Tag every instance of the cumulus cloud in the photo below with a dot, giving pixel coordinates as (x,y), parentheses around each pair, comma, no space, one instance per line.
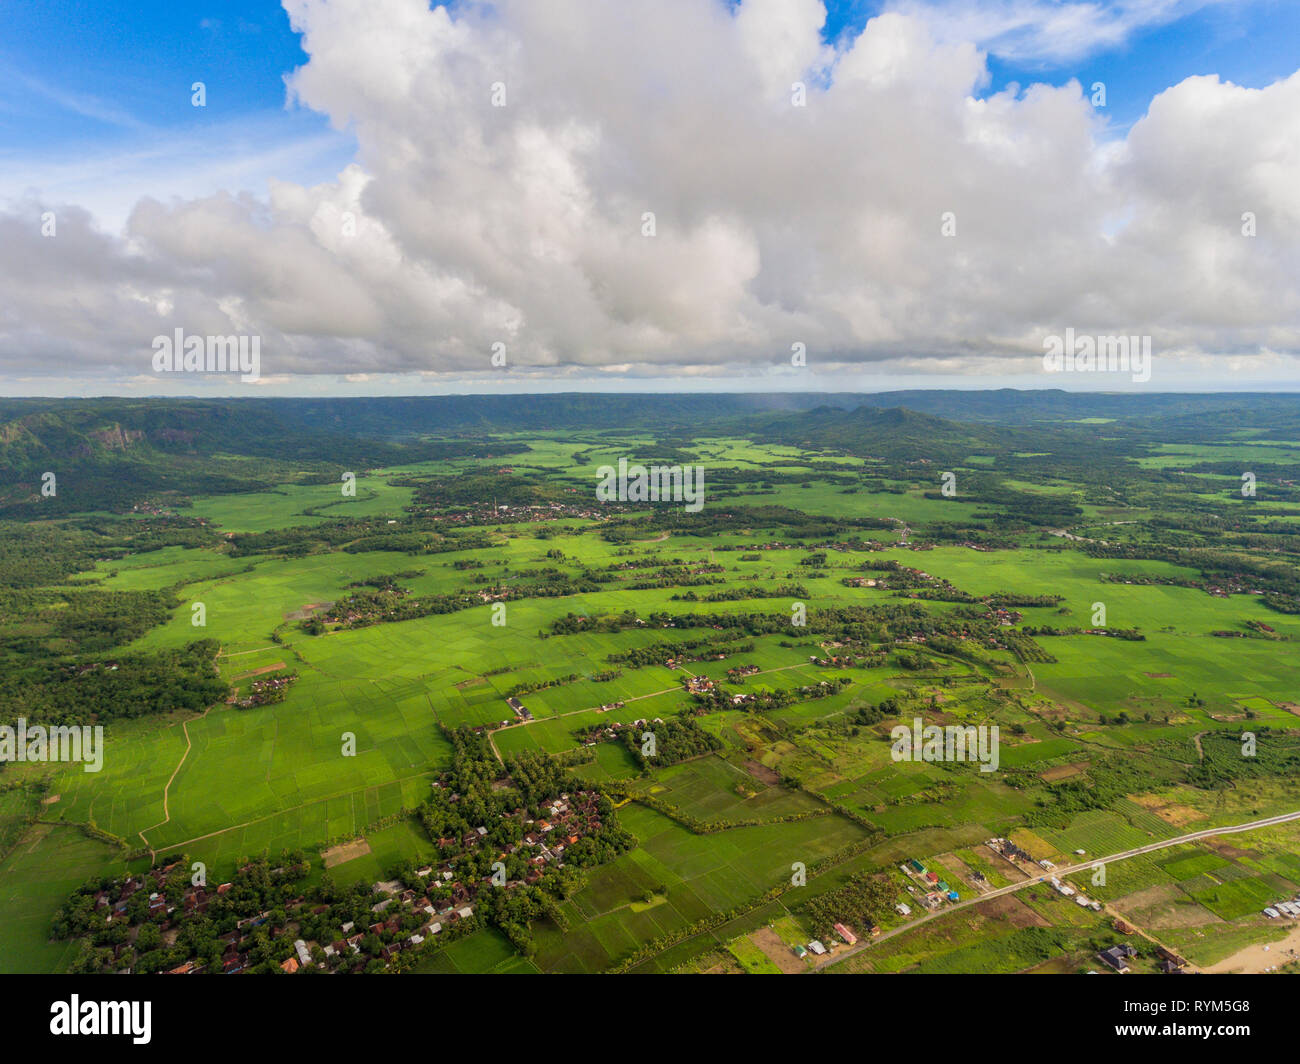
(462,224)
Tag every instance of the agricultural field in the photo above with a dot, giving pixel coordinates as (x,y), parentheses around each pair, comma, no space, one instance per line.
(296,670)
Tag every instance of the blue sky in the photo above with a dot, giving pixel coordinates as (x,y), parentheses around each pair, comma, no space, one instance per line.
(95,102)
(385,256)
(79,71)
(106,86)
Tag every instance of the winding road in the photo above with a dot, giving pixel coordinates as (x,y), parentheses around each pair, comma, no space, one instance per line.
(1060,873)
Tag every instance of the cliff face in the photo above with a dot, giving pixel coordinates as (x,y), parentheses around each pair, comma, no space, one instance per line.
(116,438)
(35,441)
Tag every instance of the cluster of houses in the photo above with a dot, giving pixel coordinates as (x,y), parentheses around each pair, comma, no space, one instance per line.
(702,655)
(117,902)
(333,616)
(235,956)
(521,711)
(1008,849)
(439,901)
(348,946)
(1067,891)
(934,891)
(698,685)
(1169,962)
(741,671)
(907,576)
(266,690)
(154,509)
(1117,957)
(397,900)
(490,513)
(1234,586)
(844,661)
(818,948)
(610,731)
(111,666)
(397,903)
(1283,908)
(443,900)
(195,901)
(569,817)
(853,546)
(1018,857)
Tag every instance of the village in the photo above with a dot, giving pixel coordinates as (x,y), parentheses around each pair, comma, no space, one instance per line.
(237,925)
(265,691)
(485,513)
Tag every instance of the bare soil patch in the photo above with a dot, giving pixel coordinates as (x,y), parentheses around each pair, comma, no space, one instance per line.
(1048,711)
(1226,849)
(1007,867)
(957,869)
(777,951)
(1180,815)
(51,799)
(475,681)
(348,851)
(1061,772)
(1158,908)
(258,672)
(307,610)
(1261,957)
(1011,910)
(762,773)
(1170,812)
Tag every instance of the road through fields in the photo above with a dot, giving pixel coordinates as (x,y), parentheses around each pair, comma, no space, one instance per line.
(1059,873)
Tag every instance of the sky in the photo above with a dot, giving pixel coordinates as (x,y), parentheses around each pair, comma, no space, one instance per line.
(634,196)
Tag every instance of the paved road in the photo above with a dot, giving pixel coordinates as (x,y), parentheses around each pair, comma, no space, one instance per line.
(1060,873)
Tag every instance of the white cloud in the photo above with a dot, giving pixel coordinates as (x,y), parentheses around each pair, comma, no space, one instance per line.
(1047,31)
(462,224)
(235,154)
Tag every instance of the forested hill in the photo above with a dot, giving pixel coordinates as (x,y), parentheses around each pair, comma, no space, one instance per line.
(109,454)
(120,450)
(1009,406)
(894,433)
(270,422)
